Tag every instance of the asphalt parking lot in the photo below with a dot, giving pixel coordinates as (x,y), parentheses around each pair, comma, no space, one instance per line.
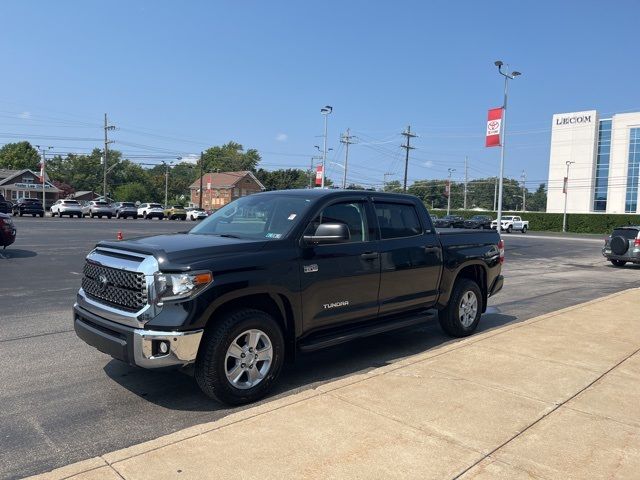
(67,401)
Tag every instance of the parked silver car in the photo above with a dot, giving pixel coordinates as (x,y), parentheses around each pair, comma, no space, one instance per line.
(98,208)
(623,246)
(66,207)
(125,209)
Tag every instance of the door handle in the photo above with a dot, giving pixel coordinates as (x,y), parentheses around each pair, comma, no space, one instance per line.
(431,249)
(369,256)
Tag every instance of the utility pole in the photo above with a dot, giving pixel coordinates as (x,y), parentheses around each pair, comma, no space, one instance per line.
(407,133)
(384,181)
(566,194)
(201,179)
(166,182)
(346,139)
(466,180)
(43,153)
(524,190)
(107,127)
(495,195)
(451,170)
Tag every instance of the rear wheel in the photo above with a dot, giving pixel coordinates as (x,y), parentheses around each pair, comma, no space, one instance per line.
(461,315)
(91,215)
(240,357)
(618,263)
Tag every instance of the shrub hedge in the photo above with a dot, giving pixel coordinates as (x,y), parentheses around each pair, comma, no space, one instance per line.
(552,222)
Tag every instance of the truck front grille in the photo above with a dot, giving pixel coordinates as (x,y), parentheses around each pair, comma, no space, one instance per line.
(118,288)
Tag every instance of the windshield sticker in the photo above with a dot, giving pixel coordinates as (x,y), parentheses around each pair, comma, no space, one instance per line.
(292,216)
(273,235)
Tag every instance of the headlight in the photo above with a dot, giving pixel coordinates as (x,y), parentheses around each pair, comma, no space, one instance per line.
(180,286)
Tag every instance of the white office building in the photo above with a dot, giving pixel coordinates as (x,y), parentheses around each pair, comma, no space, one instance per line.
(603,160)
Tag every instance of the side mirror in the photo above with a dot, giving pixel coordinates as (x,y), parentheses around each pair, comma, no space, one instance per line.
(327,233)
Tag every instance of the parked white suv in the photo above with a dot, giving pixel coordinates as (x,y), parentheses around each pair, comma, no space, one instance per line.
(196,213)
(66,207)
(150,210)
(510,223)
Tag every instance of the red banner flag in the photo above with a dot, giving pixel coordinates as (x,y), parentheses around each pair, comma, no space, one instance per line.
(319,175)
(494,123)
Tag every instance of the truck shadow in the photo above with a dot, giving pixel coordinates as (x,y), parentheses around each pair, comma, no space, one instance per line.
(175,390)
(9,253)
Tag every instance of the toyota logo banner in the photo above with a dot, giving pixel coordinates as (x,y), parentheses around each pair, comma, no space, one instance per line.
(494,122)
(319,175)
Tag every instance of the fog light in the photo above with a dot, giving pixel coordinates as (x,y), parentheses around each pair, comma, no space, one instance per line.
(164,347)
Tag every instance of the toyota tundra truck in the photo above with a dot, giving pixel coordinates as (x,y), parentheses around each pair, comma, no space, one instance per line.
(276,273)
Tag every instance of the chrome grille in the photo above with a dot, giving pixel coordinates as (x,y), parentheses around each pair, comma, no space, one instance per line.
(119,288)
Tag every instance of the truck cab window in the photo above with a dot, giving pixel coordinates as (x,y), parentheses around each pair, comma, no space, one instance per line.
(352,214)
(397,220)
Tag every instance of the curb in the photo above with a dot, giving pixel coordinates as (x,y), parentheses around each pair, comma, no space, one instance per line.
(108,459)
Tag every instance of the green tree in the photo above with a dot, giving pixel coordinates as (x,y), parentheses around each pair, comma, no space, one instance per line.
(537,201)
(131,192)
(393,186)
(283,179)
(18,156)
(230,157)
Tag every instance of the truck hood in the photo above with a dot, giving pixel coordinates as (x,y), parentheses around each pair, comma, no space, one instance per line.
(177,251)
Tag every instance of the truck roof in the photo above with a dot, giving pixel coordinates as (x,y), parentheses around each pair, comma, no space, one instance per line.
(331,192)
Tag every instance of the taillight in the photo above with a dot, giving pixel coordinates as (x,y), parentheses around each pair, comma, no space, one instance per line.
(501,250)
(636,242)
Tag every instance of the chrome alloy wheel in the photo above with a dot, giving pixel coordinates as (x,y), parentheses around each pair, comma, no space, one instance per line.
(248,359)
(468,308)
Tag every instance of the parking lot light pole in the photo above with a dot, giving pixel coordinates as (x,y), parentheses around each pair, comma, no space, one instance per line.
(566,194)
(451,170)
(507,76)
(326,111)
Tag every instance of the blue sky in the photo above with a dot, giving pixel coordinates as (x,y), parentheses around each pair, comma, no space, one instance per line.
(176,77)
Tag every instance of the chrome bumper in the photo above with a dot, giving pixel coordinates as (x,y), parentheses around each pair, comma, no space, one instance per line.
(136,346)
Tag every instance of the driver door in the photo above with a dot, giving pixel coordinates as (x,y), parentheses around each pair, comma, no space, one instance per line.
(340,281)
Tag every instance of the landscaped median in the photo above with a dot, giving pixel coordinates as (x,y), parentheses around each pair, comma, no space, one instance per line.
(557,396)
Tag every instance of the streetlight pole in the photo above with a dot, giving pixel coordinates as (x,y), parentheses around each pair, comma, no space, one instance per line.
(566,194)
(451,170)
(43,150)
(507,76)
(326,111)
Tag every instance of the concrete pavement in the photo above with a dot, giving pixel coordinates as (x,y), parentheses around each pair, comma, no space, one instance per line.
(557,396)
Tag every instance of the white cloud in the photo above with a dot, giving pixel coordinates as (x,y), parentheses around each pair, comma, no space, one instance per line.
(25,115)
(190,158)
(428,163)
(282,137)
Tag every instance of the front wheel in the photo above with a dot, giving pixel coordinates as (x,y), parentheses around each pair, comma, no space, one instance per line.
(524,229)
(240,357)
(461,316)
(618,263)
(509,229)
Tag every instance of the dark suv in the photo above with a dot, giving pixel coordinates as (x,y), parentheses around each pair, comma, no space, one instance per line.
(5,206)
(28,206)
(623,246)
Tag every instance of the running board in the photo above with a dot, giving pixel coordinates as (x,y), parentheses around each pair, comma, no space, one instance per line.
(342,336)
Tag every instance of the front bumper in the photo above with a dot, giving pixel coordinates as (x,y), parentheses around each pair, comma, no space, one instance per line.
(136,346)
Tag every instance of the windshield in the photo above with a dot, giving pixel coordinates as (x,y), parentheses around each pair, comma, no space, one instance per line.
(256,217)
(101,204)
(70,202)
(127,204)
(155,205)
(507,218)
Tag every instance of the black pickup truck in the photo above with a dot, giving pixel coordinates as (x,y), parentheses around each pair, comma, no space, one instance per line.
(276,273)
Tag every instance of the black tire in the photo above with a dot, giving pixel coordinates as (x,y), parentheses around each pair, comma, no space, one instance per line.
(524,229)
(91,215)
(21,213)
(618,263)
(80,215)
(34,215)
(109,216)
(210,365)
(53,214)
(449,317)
(509,229)
(619,245)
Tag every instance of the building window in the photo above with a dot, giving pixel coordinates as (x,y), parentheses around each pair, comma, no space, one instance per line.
(633,172)
(602,166)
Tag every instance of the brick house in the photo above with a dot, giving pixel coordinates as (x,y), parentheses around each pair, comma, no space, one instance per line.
(221,188)
(25,183)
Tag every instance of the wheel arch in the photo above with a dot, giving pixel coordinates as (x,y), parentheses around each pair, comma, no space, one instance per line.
(476,271)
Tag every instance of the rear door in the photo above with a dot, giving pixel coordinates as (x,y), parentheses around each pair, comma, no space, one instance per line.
(340,281)
(410,255)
